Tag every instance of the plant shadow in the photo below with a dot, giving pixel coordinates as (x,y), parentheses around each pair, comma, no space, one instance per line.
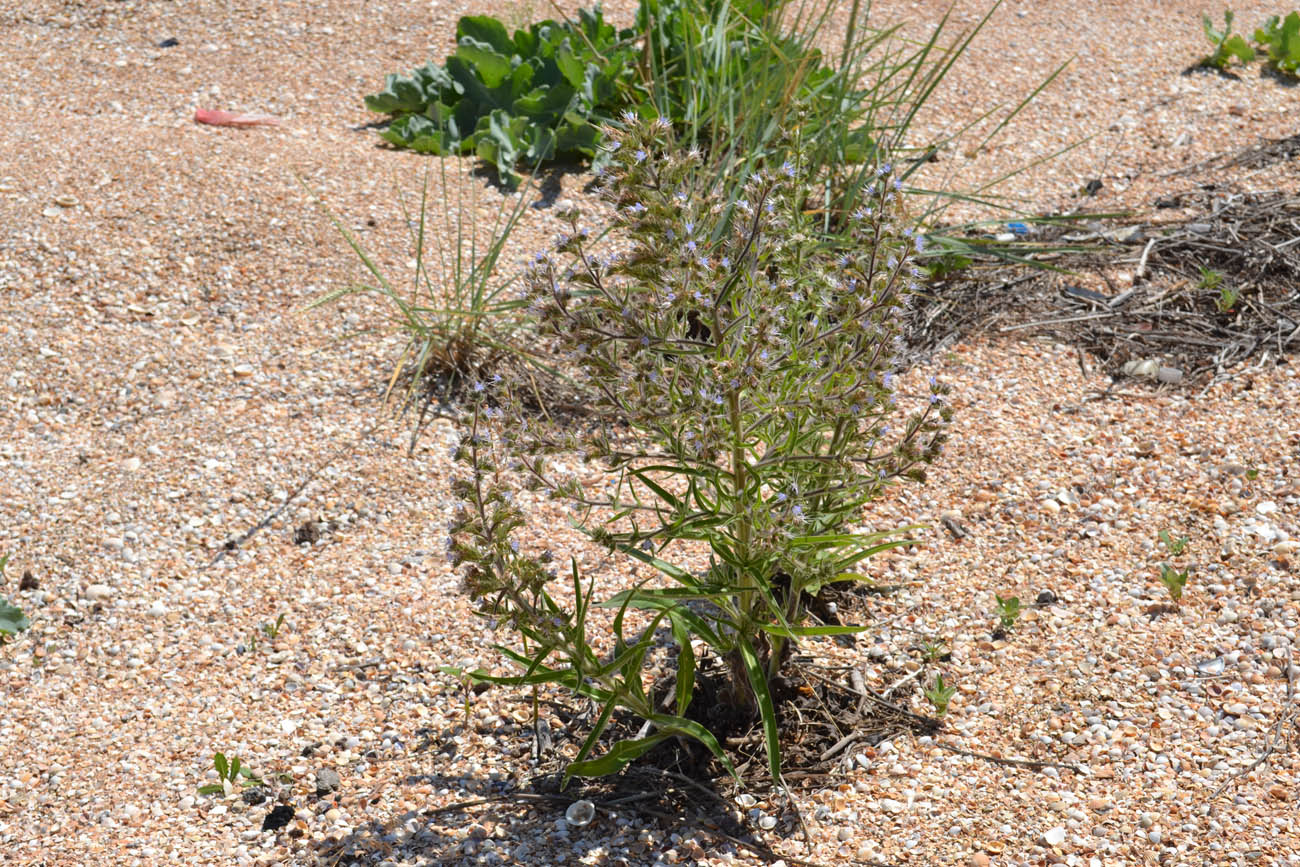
(1200,68)
(491,820)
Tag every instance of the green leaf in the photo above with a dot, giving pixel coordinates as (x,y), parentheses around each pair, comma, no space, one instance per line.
(12,619)
(587,745)
(617,757)
(487,30)
(758,681)
(234,769)
(573,69)
(212,789)
(645,601)
(219,762)
(1237,47)
(810,631)
(492,68)
(681,725)
(685,662)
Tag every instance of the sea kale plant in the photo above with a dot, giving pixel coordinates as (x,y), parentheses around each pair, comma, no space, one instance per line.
(743,394)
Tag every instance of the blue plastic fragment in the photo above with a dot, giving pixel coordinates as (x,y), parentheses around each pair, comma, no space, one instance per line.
(1018,228)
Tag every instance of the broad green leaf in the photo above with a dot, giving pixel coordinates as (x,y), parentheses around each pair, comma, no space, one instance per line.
(492,68)
(12,619)
(219,762)
(573,69)
(487,30)
(212,789)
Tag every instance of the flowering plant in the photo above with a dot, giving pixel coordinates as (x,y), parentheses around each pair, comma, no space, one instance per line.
(741,377)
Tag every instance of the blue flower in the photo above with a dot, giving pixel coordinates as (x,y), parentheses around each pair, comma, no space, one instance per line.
(690,227)
(690,245)
(787,168)
(639,156)
(647,545)
(726,262)
(797,511)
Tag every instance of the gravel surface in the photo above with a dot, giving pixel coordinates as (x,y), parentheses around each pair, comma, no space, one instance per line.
(162,391)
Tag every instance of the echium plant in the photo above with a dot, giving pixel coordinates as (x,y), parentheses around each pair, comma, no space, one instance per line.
(742,381)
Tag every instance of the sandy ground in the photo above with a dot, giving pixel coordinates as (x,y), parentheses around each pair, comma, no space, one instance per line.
(163,391)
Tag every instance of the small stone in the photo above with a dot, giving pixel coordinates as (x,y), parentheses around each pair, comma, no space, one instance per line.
(845,834)
(253,796)
(889,805)
(67,201)
(98,592)
(1150,672)
(131,464)
(1286,547)
(1279,791)
(158,609)
(1046,597)
(1169,375)
(243,371)
(1155,837)
(1054,836)
(767,823)
(1211,667)
(327,781)
(1099,805)
(979,859)
(29,581)
(580,813)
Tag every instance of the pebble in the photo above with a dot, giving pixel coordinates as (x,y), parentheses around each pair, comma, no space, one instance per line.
(67,201)
(97,592)
(1054,836)
(979,859)
(243,371)
(1155,837)
(131,464)
(327,781)
(158,609)
(889,805)
(1211,667)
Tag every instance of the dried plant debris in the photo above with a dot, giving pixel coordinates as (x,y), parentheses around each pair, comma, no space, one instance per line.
(1188,299)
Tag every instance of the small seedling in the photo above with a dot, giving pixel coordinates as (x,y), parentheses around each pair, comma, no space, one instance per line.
(1227,44)
(230,773)
(1174,581)
(12,619)
(939,695)
(933,651)
(1252,474)
(1175,547)
(271,630)
(1210,279)
(1008,611)
(1280,40)
(1227,299)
